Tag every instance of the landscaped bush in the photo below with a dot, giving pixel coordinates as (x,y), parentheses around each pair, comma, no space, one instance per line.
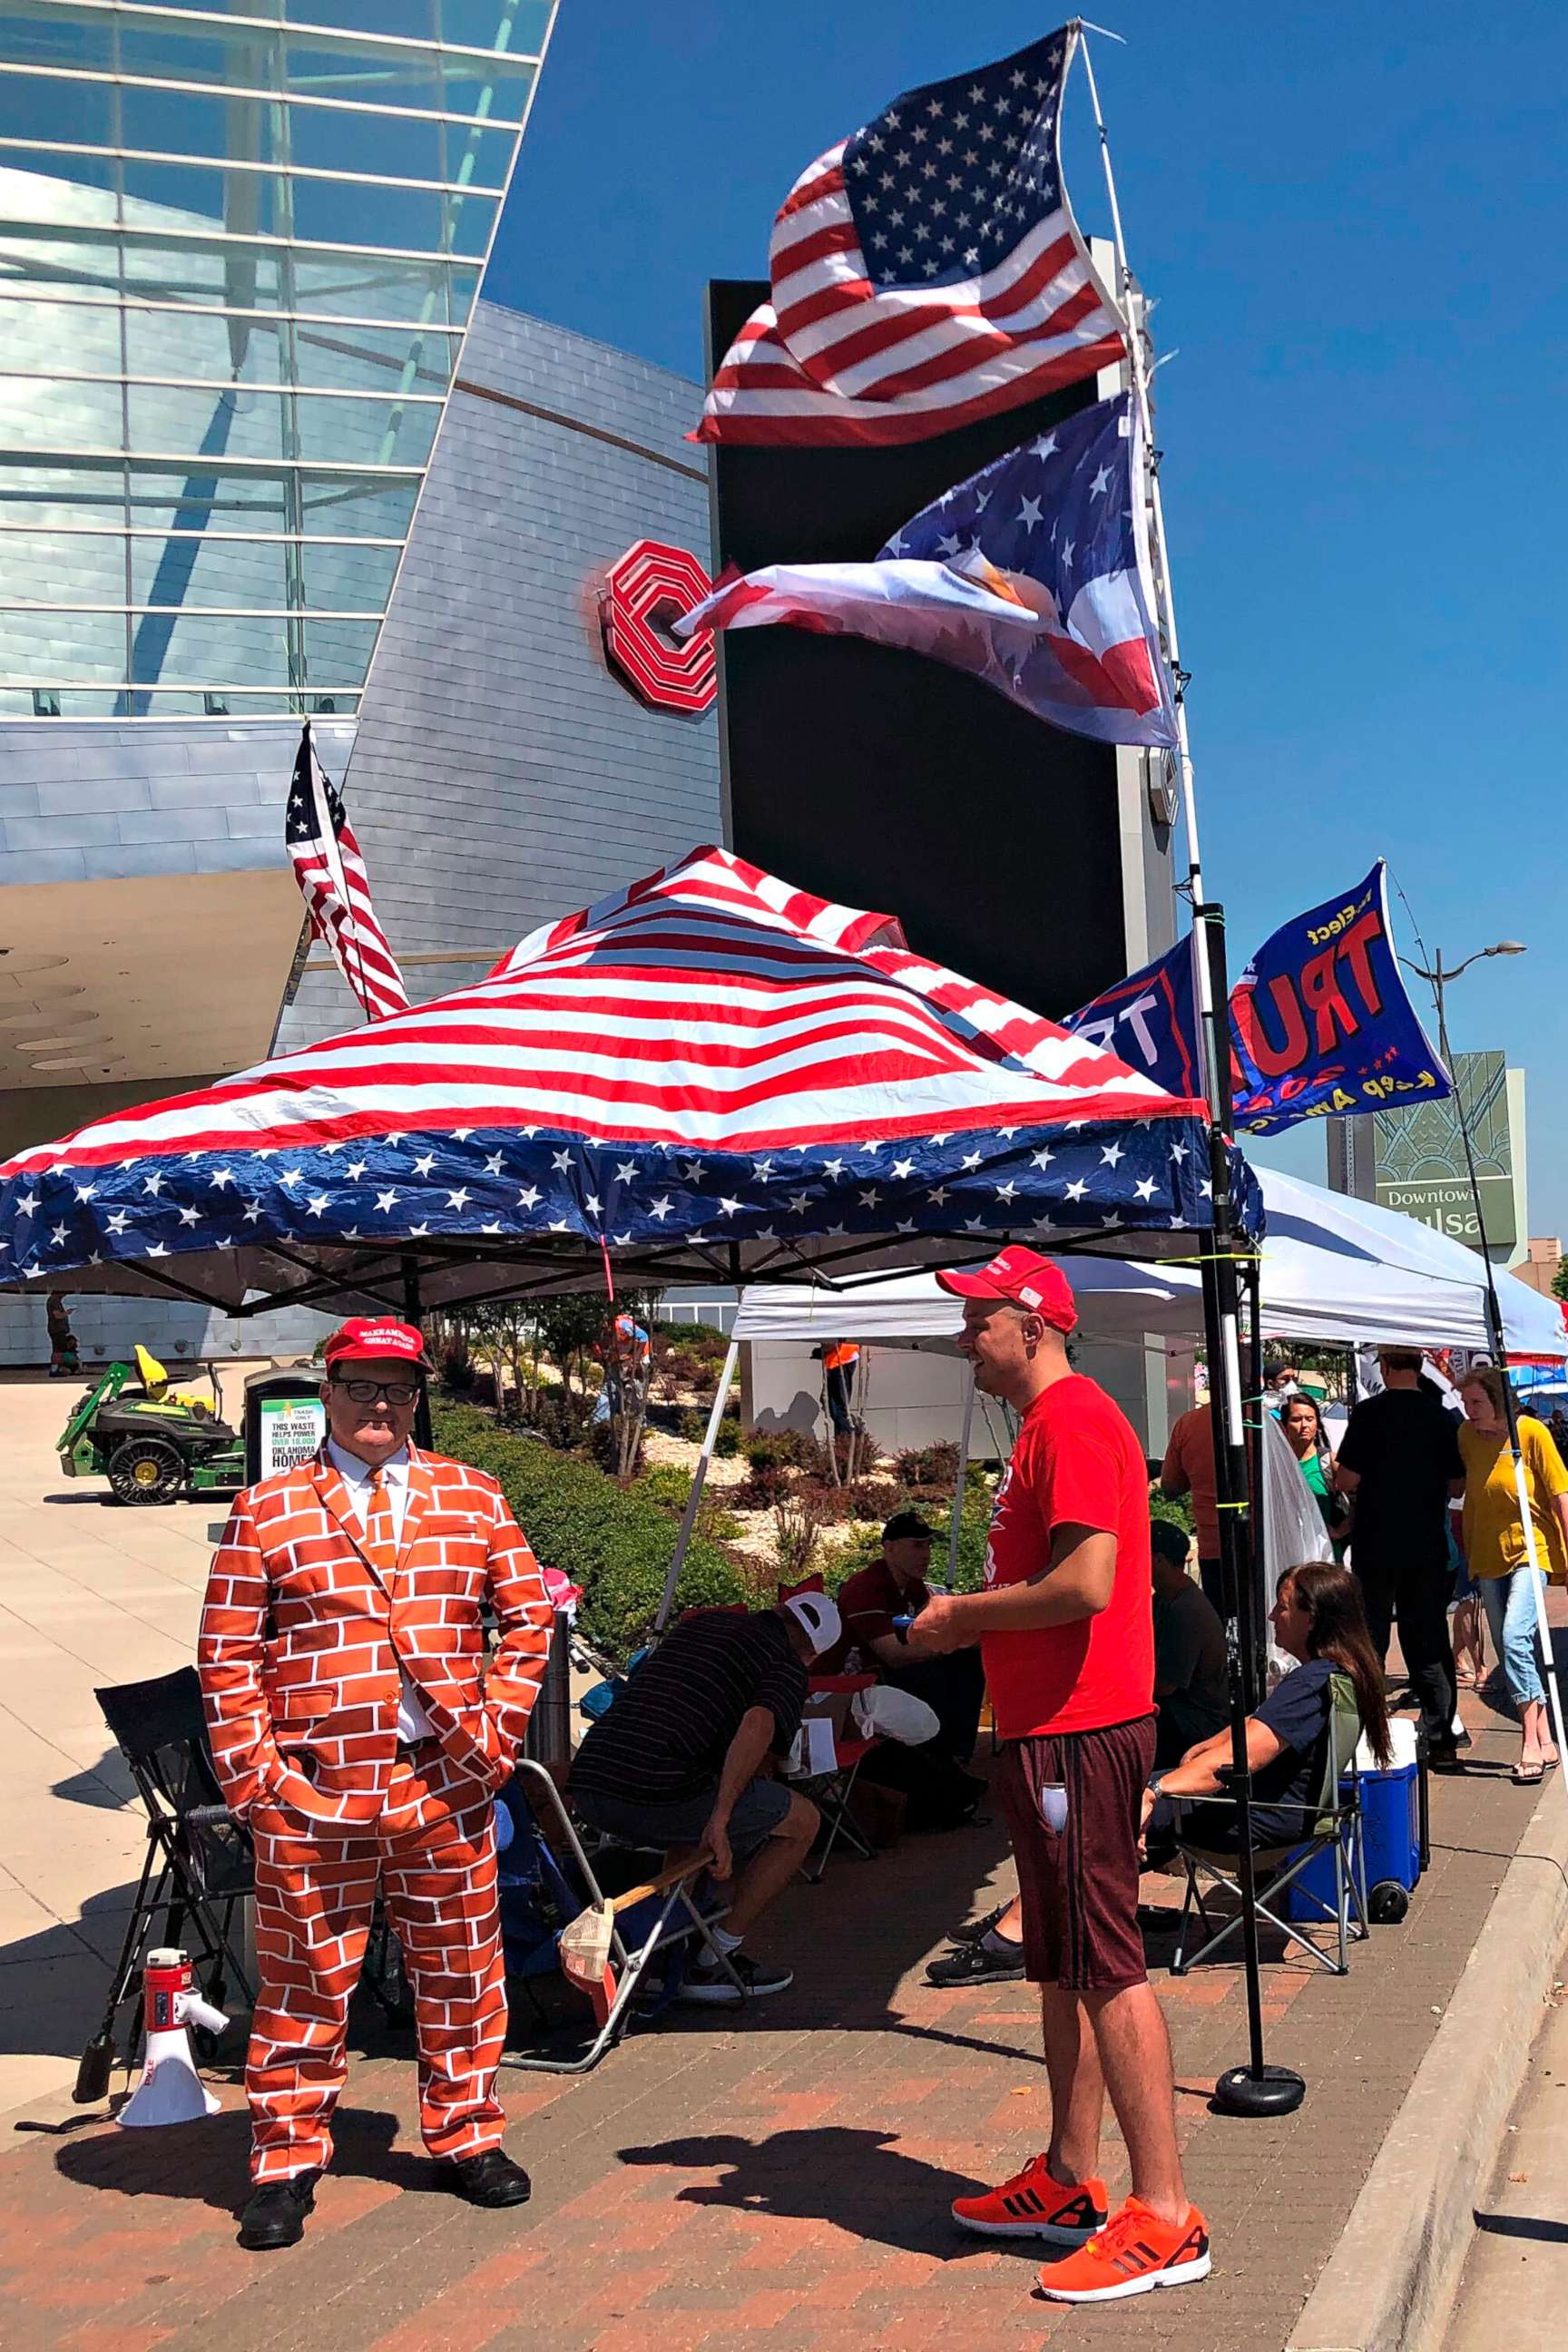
(612,1541)
(935,1467)
(665,1484)
(694,1429)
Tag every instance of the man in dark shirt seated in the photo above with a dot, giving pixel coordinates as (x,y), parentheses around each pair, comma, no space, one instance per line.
(1192,1674)
(678,1763)
(877,1604)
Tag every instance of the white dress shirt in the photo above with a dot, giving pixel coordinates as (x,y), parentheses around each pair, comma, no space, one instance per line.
(413,1722)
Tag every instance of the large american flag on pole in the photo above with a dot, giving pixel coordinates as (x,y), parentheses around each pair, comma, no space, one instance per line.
(924,272)
(334,883)
(1035,575)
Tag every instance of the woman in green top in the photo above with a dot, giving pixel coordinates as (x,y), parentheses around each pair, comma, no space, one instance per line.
(1302,1423)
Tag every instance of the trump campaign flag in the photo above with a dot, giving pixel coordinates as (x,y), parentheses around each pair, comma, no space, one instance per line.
(1321,1025)
(925,272)
(1034,575)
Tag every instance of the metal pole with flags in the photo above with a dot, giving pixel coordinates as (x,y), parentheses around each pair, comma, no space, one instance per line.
(1255,2088)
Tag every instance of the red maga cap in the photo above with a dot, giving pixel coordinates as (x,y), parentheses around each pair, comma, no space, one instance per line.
(370,1338)
(1024,1279)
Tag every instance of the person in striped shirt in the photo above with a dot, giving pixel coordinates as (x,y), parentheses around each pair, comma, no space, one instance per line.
(684,1760)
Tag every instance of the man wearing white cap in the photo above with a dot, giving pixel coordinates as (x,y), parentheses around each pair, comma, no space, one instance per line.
(680,1763)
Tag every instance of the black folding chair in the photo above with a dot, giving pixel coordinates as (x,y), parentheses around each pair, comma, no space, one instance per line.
(199,1866)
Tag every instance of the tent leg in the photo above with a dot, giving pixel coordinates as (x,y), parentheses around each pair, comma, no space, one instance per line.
(408,1266)
(699,1479)
(1254,2089)
(958,1487)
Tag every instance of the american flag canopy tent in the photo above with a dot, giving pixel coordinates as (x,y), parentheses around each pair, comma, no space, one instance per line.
(710,1075)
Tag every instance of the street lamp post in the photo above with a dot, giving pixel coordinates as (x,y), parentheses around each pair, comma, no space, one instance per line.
(1437,980)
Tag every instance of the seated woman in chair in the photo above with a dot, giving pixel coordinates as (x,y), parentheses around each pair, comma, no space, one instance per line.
(1319,1620)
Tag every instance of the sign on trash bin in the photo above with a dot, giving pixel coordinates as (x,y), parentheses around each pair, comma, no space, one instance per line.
(285,1422)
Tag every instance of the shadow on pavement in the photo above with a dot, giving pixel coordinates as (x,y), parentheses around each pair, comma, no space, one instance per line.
(857,2179)
(209,2162)
(1524,2225)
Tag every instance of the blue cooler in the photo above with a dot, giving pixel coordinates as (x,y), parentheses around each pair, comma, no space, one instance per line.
(1391,1832)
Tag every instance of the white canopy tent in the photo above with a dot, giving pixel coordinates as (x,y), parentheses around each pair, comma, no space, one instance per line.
(1334,1268)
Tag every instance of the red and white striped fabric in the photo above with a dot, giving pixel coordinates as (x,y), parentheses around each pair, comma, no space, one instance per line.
(331,871)
(925,272)
(710,1006)
(709,1073)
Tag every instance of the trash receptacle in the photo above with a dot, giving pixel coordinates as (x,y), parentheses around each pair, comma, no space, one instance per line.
(285,1420)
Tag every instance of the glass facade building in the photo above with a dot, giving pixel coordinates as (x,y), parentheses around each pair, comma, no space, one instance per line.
(239,247)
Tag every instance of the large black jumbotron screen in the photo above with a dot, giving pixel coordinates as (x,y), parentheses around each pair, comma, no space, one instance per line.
(884,780)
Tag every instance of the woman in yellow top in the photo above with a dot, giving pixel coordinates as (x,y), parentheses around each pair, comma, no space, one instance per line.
(1494,1546)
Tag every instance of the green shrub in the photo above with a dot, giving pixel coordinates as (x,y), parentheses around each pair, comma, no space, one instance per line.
(665,1484)
(1175,1507)
(693,1427)
(612,1541)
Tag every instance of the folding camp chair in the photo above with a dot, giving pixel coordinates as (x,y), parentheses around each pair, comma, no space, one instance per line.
(199,1865)
(545,1881)
(830,1793)
(1336,1829)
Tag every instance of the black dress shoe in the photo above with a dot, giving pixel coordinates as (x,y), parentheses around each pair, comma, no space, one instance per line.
(276,2214)
(490,2179)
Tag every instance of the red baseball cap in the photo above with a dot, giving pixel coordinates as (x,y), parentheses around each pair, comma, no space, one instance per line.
(367,1338)
(1024,1279)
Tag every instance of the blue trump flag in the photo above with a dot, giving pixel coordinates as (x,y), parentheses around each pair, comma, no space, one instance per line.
(1321,1023)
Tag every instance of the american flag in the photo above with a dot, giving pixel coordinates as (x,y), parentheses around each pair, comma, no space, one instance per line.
(925,272)
(1034,574)
(710,1075)
(334,883)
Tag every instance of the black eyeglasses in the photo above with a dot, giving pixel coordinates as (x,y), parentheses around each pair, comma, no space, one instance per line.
(367,1391)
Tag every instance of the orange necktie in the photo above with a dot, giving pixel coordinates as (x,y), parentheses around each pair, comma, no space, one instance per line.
(380,1527)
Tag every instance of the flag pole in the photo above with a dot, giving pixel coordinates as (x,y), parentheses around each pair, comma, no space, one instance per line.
(1254,2089)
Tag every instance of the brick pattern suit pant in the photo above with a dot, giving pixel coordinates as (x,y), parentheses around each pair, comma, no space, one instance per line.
(315,1893)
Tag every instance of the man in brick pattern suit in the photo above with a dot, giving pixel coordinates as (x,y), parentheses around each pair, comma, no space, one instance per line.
(340,1660)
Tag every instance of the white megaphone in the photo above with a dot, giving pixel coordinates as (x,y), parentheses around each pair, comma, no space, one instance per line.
(171,2091)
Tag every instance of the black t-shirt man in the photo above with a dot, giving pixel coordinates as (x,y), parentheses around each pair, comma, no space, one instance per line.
(1404,1451)
(670,1730)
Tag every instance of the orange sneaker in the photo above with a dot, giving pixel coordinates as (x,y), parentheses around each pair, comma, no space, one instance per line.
(1134,2252)
(1033,2205)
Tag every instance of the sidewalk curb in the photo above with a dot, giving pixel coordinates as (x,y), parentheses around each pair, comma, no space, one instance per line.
(1389,2284)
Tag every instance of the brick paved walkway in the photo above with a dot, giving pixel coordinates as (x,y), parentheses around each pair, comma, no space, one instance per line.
(714,2181)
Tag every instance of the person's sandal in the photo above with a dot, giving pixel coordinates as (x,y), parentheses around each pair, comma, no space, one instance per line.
(1527,1776)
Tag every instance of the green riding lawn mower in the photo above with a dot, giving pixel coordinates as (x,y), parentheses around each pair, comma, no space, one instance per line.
(153,1447)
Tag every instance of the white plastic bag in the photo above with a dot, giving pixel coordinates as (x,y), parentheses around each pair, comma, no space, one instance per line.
(586,1945)
(896,1715)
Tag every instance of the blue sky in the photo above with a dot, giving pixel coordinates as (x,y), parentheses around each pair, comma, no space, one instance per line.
(1354,222)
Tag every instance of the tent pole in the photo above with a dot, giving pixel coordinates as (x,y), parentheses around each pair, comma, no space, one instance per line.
(699,1479)
(957,1490)
(1257,1408)
(408,1267)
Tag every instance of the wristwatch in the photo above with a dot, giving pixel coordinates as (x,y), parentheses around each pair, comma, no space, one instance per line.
(1154,1783)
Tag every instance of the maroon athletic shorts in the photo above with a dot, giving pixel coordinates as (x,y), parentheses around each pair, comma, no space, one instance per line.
(1080,1888)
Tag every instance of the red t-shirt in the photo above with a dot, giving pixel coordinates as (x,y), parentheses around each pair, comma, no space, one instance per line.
(1076,1461)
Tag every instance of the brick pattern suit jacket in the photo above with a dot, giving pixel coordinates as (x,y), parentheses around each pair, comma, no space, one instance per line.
(302,1639)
